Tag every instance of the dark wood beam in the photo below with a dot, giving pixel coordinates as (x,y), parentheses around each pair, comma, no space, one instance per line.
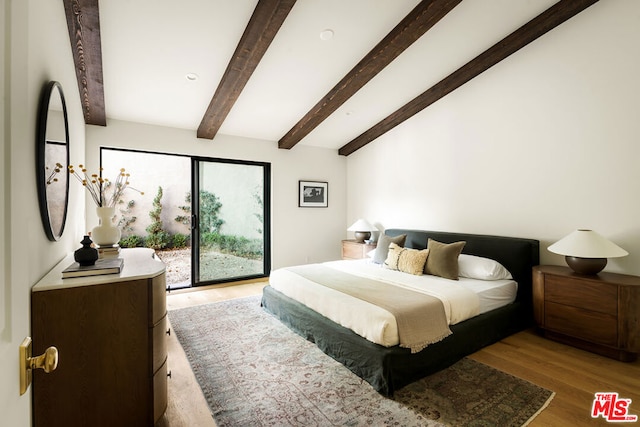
(83,22)
(546,21)
(424,16)
(263,26)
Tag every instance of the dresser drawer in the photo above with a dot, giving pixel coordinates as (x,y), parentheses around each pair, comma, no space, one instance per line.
(159,355)
(160,392)
(589,325)
(582,294)
(158,299)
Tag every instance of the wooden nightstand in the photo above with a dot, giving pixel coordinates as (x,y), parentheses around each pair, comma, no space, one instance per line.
(354,250)
(599,313)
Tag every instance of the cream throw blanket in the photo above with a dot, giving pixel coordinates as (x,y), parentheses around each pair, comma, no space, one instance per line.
(420,318)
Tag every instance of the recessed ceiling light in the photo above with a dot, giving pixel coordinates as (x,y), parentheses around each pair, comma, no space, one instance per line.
(326,34)
(192,77)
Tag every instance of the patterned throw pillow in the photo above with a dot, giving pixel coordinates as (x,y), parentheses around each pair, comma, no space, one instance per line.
(406,260)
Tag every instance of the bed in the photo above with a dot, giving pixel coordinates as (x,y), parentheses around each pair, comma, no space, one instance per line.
(390,367)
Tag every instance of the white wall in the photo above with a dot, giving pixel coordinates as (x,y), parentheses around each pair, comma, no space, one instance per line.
(545,142)
(299,235)
(4,175)
(36,49)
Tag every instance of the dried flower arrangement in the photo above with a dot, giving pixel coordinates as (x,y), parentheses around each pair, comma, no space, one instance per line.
(104,192)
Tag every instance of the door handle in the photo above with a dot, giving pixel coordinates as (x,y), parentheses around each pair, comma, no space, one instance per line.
(48,361)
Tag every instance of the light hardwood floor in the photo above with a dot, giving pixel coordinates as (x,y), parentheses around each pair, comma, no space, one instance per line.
(574,375)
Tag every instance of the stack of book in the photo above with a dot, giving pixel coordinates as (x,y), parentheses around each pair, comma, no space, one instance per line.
(102,266)
(109,251)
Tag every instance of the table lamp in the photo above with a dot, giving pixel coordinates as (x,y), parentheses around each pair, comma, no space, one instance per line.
(362,230)
(586,251)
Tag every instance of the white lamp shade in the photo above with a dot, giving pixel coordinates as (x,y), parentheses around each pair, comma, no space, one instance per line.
(587,244)
(361,225)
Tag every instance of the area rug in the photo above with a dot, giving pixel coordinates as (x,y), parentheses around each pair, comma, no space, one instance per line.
(254,371)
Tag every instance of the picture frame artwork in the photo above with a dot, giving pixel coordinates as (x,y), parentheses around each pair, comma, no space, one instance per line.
(313,194)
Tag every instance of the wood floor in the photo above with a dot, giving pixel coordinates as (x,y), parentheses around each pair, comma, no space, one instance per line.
(574,375)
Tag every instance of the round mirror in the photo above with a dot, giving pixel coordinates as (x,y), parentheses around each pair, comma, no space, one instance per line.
(52,165)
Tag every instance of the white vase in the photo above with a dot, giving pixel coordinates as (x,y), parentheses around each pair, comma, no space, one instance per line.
(106,233)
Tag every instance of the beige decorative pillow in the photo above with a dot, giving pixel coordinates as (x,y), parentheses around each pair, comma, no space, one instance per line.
(382,249)
(406,260)
(443,259)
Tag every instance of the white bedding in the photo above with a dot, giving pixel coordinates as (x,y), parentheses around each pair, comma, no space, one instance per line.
(462,299)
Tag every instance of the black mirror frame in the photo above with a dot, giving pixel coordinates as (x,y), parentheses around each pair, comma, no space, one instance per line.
(41,142)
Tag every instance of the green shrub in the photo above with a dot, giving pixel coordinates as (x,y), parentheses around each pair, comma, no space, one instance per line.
(209,240)
(131,241)
(186,208)
(126,219)
(157,238)
(210,221)
(233,245)
(181,240)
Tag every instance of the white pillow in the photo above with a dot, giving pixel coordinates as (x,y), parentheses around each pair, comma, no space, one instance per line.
(475,267)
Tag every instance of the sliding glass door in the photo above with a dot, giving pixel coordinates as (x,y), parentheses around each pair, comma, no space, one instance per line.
(231,221)
(221,235)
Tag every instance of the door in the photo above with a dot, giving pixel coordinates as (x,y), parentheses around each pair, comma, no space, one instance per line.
(231,224)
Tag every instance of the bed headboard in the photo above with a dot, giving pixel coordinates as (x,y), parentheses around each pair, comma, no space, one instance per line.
(518,255)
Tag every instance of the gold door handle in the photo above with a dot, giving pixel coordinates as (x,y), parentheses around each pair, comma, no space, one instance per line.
(47,361)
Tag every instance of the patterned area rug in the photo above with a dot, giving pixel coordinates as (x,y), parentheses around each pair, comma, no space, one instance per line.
(254,371)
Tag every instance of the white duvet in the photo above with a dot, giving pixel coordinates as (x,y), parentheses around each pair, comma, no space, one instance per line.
(461,299)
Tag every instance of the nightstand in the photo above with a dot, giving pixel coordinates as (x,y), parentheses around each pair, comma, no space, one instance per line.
(354,250)
(598,313)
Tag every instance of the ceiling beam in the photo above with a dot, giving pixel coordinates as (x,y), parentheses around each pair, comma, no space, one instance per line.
(546,21)
(424,16)
(267,18)
(83,22)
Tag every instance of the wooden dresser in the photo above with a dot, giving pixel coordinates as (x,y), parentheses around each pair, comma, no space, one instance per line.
(598,313)
(354,250)
(111,335)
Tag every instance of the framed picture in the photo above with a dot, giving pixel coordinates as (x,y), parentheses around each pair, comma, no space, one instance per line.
(313,194)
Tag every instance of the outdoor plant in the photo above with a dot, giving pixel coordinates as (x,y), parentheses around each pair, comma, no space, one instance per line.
(181,240)
(131,241)
(157,237)
(186,218)
(126,219)
(210,221)
(258,198)
(233,245)
(212,238)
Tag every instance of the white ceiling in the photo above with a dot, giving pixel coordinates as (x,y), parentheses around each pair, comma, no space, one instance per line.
(149,46)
